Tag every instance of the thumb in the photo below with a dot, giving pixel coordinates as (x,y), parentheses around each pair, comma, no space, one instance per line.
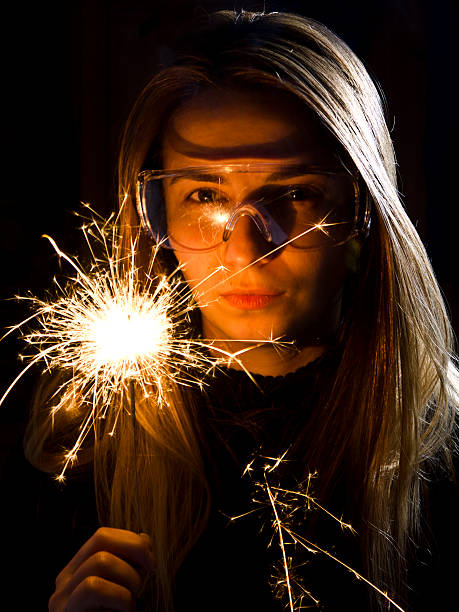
(147,540)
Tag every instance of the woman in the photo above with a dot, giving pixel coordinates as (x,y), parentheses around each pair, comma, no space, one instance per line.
(288,226)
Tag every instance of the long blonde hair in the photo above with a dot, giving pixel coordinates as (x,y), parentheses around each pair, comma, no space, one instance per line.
(394,400)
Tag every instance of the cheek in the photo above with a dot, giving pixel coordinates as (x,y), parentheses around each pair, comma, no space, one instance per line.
(332,273)
(197,268)
(320,273)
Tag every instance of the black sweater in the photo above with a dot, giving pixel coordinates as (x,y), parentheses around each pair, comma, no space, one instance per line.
(236,564)
(239,565)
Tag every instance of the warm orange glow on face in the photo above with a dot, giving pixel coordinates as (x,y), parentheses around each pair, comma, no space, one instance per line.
(307,283)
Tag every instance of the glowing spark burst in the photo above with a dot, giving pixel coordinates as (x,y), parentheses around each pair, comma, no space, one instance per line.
(289,509)
(106,328)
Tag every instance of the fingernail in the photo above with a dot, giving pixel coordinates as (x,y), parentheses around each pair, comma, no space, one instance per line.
(147,539)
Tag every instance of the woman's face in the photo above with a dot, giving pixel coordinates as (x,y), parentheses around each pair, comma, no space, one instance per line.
(244,291)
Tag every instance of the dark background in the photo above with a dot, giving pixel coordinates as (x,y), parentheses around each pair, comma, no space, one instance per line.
(70,72)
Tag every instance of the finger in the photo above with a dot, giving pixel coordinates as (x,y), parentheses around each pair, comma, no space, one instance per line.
(95,593)
(130,546)
(146,538)
(105,565)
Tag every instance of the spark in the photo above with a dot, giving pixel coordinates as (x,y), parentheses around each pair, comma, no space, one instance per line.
(277,461)
(220,217)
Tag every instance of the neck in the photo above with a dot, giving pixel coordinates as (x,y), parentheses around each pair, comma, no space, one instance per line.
(267,360)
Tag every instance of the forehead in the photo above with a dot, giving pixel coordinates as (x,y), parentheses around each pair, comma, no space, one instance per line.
(228,125)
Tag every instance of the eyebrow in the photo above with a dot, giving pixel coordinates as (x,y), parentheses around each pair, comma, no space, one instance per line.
(287,172)
(208,178)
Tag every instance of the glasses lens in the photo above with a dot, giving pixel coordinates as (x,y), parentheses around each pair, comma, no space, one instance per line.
(191,210)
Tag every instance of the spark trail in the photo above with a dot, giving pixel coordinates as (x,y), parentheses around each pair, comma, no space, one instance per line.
(286,505)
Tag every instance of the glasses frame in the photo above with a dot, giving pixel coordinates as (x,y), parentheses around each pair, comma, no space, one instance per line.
(362,210)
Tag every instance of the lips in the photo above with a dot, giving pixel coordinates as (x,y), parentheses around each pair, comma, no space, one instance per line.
(252,299)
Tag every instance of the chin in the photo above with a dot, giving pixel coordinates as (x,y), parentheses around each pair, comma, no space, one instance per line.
(249,331)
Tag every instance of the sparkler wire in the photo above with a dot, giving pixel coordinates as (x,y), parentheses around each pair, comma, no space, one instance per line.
(134,439)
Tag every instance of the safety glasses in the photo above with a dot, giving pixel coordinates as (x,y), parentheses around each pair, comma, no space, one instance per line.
(301,207)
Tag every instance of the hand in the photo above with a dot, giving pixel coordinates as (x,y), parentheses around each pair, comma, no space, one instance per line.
(105,574)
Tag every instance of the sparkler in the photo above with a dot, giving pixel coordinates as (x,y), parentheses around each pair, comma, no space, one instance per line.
(289,508)
(113,328)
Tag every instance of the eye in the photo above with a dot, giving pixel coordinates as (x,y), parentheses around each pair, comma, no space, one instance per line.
(300,193)
(205,196)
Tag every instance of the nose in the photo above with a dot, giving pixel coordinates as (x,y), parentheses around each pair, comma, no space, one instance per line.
(250,211)
(246,244)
